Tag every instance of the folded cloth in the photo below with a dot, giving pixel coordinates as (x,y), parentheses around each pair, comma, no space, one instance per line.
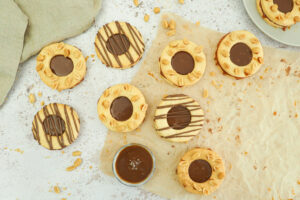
(48,21)
(13,25)
(55,20)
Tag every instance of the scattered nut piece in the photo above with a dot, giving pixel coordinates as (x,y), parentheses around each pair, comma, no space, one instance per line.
(136,2)
(205,93)
(146,18)
(197,23)
(165,24)
(56,189)
(181,1)
(156,10)
(31,98)
(172,25)
(76,153)
(40,94)
(42,103)
(77,162)
(171,33)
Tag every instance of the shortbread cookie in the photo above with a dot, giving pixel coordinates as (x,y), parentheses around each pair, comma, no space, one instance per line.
(119,45)
(56,126)
(122,108)
(182,63)
(279,13)
(178,118)
(239,54)
(61,66)
(201,171)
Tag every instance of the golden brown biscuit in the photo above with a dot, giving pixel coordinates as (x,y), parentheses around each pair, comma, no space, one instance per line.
(61,66)
(201,171)
(182,63)
(239,54)
(279,13)
(56,126)
(178,118)
(122,108)
(119,45)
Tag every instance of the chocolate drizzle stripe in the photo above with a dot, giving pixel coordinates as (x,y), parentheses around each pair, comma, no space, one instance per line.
(176,95)
(176,99)
(166,128)
(135,46)
(168,106)
(181,133)
(53,109)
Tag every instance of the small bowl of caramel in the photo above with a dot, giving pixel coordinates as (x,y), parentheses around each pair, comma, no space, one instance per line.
(134,164)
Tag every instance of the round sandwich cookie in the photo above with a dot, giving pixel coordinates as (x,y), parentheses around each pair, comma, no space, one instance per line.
(61,66)
(119,45)
(239,54)
(56,126)
(201,171)
(279,13)
(178,118)
(182,63)
(122,108)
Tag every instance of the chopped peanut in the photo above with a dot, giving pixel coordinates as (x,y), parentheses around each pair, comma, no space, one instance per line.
(156,10)
(31,98)
(146,18)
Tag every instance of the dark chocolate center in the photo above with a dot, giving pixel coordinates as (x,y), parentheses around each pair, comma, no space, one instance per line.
(200,171)
(61,65)
(54,125)
(179,117)
(284,6)
(183,63)
(134,164)
(121,108)
(117,44)
(241,54)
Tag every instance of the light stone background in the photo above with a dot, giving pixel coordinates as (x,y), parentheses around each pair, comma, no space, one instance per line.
(31,175)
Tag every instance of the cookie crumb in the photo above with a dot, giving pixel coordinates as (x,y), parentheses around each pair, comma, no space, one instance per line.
(212,73)
(56,189)
(171,33)
(205,93)
(91,167)
(42,103)
(197,23)
(172,25)
(93,55)
(40,94)
(31,98)
(86,58)
(76,153)
(181,1)
(283,60)
(146,18)
(288,70)
(274,113)
(156,10)
(19,150)
(136,2)
(165,24)
(77,162)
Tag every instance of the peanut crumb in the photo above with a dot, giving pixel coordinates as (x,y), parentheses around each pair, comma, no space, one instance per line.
(283,60)
(181,1)
(212,73)
(56,189)
(298,182)
(86,58)
(63,198)
(197,23)
(165,24)
(77,162)
(274,113)
(93,55)
(269,189)
(288,70)
(19,150)
(210,131)
(234,83)
(205,93)
(246,153)
(261,77)
(42,103)
(76,153)
(40,94)
(238,139)
(172,25)
(91,167)
(136,2)
(146,18)
(156,10)
(62,151)
(64,188)
(171,33)
(31,98)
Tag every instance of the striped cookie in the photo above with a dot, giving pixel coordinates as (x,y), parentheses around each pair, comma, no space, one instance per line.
(178,118)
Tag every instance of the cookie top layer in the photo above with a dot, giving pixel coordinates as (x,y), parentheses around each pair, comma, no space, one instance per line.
(61,66)
(119,45)
(182,63)
(178,118)
(239,54)
(282,13)
(201,171)
(122,108)
(56,126)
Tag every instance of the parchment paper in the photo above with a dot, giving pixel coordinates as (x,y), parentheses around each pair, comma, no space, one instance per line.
(13,24)
(253,123)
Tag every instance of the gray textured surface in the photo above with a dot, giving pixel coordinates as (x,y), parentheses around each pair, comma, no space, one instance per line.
(30,175)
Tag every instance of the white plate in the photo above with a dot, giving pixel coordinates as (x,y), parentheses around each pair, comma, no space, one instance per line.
(289,37)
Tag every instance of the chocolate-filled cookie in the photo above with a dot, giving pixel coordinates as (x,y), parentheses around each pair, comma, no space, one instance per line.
(61,66)
(201,171)
(279,13)
(178,118)
(119,45)
(239,54)
(182,63)
(56,126)
(122,108)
